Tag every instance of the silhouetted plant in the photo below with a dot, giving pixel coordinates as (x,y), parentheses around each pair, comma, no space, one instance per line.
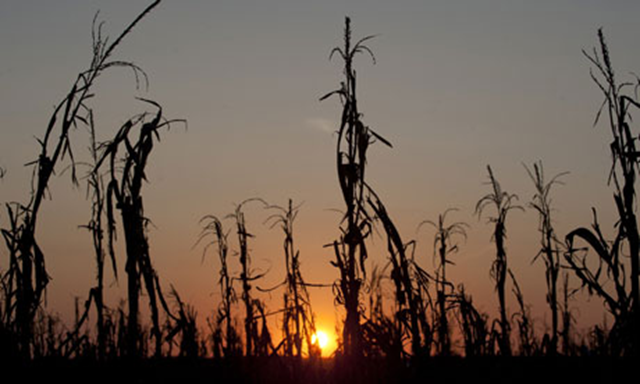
(27,278)
(52,339)
(263,344)
(185,326)
(125,194)
(408,298)
(375,291)
(381,334)
(110,333)
(298,323)
(616,299)
(443,246)
(567,318)
(95,187)
(76,342)
(503,203)
(425,303)
(212,226)
(121,330)
(48,335)
(550,246)
(353,141)
(623,304)
(247,277)
(474,326)
(255,338)
(526,333)
(215,337)
(598,341)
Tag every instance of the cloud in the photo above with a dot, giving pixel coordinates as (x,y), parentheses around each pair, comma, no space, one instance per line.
(321,124)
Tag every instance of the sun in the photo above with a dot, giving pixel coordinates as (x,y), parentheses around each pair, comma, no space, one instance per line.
(320,339)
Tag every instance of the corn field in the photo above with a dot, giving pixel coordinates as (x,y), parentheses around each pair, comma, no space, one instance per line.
(405,319)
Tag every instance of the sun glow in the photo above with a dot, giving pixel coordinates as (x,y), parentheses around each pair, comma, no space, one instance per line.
(320,339)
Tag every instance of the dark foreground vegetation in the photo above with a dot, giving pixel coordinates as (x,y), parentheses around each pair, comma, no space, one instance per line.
(278,369)
(429,330)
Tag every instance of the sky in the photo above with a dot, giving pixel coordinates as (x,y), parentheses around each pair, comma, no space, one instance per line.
(456,85)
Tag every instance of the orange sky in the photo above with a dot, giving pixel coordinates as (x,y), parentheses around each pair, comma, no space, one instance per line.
(456,87)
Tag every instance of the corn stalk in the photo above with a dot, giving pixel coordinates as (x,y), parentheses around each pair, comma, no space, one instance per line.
(410,313)
(247,277)
(549,244)
(212,226)
(622,302)
(443,246)
(353,141)
(95,187)
(124,192)
(298,322)
(503,203)
(27,278)
(473,325)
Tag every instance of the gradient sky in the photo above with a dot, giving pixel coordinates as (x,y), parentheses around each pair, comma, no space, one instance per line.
(457,85)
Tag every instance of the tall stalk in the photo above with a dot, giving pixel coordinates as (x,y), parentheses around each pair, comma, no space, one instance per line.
(410,308)
(298,323)
(353,141)
(503,203)
(212,226)
(549,244)
(622,302)
(27,277)
(567,319)
(443,246)
(95,226)
(247,277)
(125,194)
(95,187)
(528,343)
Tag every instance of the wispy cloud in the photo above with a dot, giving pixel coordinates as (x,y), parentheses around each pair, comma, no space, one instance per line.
(320,124)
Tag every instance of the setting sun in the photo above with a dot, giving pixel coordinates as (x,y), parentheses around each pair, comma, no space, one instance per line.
(320,339)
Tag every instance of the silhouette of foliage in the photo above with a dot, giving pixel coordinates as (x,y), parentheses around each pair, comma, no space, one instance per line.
(298,321)
(125,194)
(382,335)
(95,187)
(503,203)
(27,278)
(477,336)
(254,309)
(353,141)
(528,343)
(623,303)
(443,246)
(410,313)
(212,226)
(549,243)
(405,332)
